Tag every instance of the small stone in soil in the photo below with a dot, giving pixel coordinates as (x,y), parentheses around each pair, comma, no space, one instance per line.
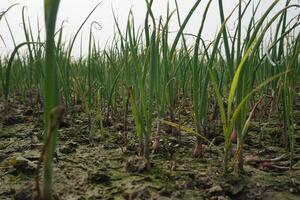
(119,126)
(11,120)
(177,194)
(136,164)
(28,112)
(98,177)
(32,155)
(24,193)
(25,166)
(6,190)
(166,191)
(69,147)
(137,194)
(218,140)
(64,124)
(215,190)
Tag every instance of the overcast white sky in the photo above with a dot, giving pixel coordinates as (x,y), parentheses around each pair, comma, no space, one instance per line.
(75,12)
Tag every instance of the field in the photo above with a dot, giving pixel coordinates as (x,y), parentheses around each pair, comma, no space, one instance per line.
(154,117)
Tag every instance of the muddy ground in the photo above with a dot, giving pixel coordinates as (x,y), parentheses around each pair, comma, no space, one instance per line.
(101,165)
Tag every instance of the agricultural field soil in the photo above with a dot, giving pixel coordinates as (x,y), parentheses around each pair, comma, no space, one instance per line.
(104,165)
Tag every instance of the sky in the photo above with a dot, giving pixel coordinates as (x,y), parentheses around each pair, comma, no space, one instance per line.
(75,11)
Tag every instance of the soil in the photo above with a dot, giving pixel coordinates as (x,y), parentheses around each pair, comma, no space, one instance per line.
(99,164)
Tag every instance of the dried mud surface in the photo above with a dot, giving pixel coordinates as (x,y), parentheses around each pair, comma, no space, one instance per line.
(94,165)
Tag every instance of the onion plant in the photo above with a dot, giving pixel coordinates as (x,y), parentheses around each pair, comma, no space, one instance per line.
(143,91)
(51,94)
(170,66)
(66,66)
(6,83)
(289,84)
(18,64)
(240,90)
(200,88)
